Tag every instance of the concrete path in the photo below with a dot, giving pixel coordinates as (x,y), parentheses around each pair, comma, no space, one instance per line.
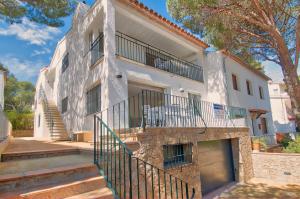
(262,189)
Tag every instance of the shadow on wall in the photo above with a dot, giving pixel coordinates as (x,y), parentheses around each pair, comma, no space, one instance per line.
(80,76)
(213,77)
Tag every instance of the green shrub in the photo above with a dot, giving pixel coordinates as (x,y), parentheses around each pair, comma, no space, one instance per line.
(286,140)
(293,146)
(20,121)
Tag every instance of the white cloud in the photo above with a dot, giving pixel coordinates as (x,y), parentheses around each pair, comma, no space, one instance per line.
(29,31)
(41,52)
(24,70)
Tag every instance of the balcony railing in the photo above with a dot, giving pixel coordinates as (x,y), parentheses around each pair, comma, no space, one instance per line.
(138,51)
(97,50)
(150,109)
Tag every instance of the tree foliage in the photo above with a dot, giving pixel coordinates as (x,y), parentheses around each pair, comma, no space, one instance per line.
(49,12)
(255,30)
(18,95)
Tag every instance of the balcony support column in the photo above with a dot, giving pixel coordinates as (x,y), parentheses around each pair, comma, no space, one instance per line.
(114,83)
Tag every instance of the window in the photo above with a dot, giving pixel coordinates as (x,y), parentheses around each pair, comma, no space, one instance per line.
(39,120)
(261,93)
(65,63)
(93,100)
(235,82)
(177,154)
(64,105)
(91,40)
(249,87)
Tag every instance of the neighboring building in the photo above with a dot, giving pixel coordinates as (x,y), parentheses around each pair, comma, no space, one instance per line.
(243,87)
(139,72)
(2,83)
(283,116)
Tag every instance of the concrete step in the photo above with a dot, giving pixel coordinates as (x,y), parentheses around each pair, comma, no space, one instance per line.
(44,177)
(5,157)
(63,190)
(103,193)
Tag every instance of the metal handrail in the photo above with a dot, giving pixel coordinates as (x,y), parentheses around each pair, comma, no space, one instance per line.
(151,109)
(133,49)
(43,97)
(118,165)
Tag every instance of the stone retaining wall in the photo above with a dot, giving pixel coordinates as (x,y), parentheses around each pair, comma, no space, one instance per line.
(280,167)
(152,142)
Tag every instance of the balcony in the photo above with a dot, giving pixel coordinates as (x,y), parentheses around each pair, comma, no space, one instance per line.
(151,109)
(138,51)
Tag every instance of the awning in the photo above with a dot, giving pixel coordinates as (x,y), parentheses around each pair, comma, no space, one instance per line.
(257,112)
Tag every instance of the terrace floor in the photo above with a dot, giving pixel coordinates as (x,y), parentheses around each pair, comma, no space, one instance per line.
(21,145)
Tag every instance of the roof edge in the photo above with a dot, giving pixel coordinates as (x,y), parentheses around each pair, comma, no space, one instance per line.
(144,10)
(238,60)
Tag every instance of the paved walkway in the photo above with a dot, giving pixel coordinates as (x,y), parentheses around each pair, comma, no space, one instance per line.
(20,145)
(261,189)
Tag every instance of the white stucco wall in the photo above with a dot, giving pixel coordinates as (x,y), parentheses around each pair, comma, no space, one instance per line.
(280,104)
(220,88)
(80,76)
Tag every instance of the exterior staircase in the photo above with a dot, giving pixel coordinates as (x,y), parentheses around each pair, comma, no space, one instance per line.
(54,122)
(65,173)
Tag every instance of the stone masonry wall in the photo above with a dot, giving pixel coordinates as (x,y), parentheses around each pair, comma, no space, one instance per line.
(152,141)
(281,167)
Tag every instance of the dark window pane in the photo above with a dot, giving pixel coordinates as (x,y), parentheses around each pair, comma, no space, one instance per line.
(93,100)
(65,63)
(176,155)
(64,105)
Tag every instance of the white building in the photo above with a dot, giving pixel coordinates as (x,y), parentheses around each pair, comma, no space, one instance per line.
(283,116)
(75,69)
(135,70)
(2,83)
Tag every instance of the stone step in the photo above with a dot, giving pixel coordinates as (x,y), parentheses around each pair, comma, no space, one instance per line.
(44,177)
(5,157)
(103,193)
(63,190)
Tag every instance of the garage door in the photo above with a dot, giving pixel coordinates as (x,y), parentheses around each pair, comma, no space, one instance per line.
(216,167)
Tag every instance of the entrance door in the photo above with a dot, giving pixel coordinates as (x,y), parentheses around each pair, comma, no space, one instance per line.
(151,97)
(216,164)
(264,128)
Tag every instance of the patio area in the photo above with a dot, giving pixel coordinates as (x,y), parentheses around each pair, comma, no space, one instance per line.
(262,189)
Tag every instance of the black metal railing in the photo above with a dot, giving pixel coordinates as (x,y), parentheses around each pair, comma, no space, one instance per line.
(97,49)
(151,109)
(141,52)
(129,176)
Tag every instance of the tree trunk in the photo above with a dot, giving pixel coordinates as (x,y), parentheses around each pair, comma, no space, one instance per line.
(292,83)
(289,70)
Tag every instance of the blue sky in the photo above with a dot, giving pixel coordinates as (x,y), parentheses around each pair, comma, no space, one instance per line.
(26,47)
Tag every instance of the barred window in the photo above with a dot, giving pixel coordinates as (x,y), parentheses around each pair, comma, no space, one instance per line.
(64,105)
(93,100)
(65,63)
(176,155)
